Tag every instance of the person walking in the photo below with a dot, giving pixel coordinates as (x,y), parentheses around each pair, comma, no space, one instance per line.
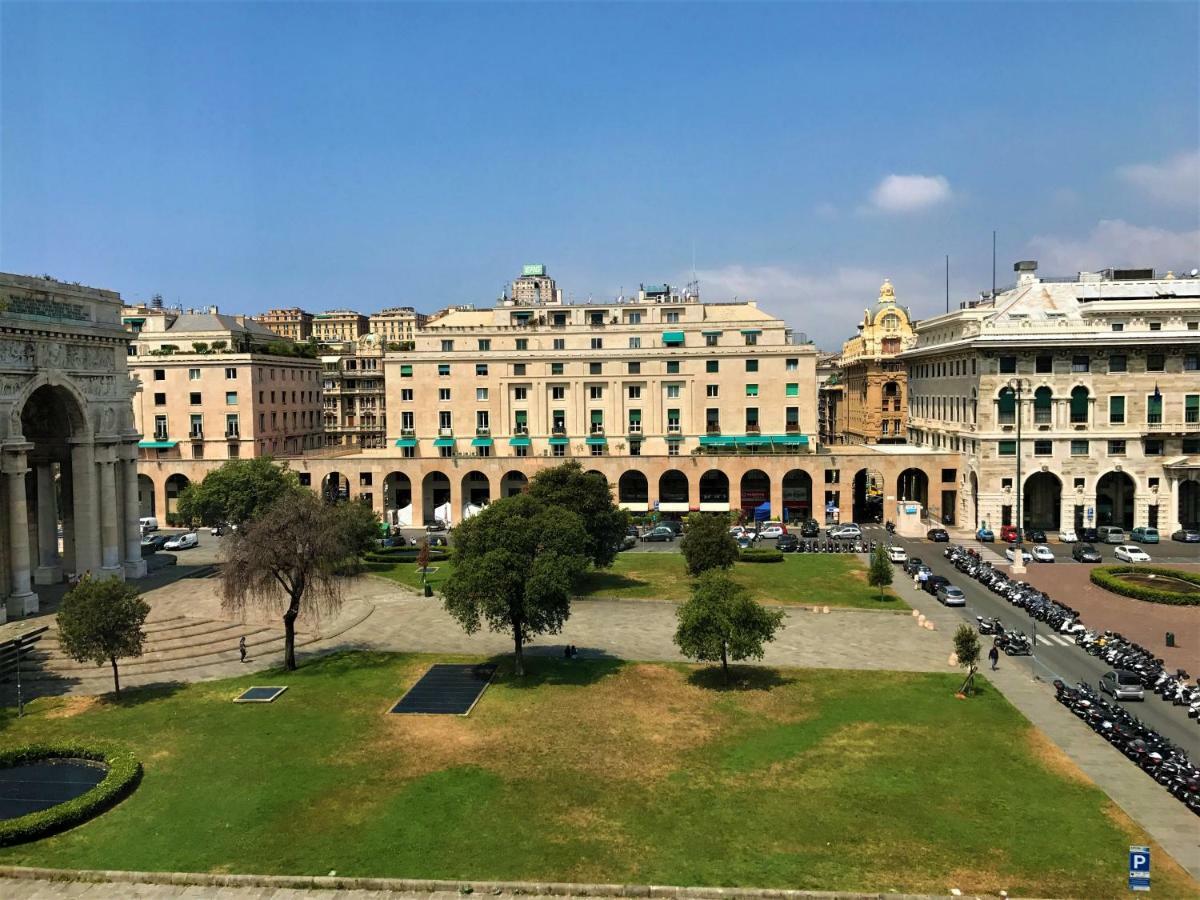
(242,647)
(994,657)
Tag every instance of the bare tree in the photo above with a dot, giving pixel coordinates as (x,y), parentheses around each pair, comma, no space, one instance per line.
(286,561)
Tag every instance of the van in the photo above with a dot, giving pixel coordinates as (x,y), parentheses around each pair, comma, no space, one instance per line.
(1110,534)
(148,524)
(1144,535)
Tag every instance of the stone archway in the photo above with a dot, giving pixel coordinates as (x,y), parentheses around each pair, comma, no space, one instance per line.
(513,483)
(435,498)
(868,496)
(755,490)
(973,481)
(334,487)
(1116,494)
(714,491)
(398,500)
(147,502)
(797,496)
(673,492)
(913,485)
(1042,501)
(1189,504)
(476,493)
(633,491)
(174,487)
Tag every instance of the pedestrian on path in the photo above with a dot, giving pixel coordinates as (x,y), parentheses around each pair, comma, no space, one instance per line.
(993,657)
(242,647)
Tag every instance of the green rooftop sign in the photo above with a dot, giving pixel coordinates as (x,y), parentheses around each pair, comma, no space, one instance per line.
(533,269)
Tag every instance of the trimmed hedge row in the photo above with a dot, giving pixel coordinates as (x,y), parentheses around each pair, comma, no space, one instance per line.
(124,774)
(393,555)
(1105,577)
(765,555)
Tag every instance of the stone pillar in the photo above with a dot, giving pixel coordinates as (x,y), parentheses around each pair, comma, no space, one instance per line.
(49,570)
(110,517)
(135,566)
(65,488)
(22,601)
(775,495)
(87,519)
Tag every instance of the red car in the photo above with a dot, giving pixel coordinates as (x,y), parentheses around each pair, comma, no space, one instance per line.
(1008,534)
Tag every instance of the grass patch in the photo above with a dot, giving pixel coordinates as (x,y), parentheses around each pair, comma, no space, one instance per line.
(601,771)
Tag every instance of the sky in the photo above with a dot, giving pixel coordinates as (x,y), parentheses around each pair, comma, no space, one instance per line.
(369,155)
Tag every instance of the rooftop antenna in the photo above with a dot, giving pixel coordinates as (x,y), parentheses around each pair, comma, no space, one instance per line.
(993,263)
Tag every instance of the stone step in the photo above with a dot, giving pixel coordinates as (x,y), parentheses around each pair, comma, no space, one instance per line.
(195,635)
(55,660)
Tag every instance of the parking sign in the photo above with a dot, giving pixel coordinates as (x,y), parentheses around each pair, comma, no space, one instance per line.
(1139,868)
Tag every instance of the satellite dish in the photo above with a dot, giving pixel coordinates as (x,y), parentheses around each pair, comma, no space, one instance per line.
(1195,272)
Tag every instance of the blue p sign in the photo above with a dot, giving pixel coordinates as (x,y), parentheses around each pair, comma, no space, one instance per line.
(1139,868)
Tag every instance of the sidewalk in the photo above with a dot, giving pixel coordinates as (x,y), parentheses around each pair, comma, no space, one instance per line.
(1163,817)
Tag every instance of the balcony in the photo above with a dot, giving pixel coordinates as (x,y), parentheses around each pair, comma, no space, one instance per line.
(753,428)
(673,428)
(408,432)
(597,429)
(161,436)
(558,430)
(445,432)
(635,427)
(232,434)
(792,428)
(197,434)
(712,428)
(482,431)
(520,429)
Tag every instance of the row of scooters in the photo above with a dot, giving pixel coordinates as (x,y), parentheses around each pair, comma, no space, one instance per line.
(1119,652)
(818,546)
(1037,604)
(1011,643)
(1145,747)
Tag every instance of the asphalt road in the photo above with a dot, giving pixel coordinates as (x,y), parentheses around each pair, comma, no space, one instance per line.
(1167,551)
(1053,657)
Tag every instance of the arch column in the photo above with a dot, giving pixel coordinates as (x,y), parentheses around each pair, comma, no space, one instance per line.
(49,570)
(775,496)
(22,601)
(86,513)
(135,565)
(110,533)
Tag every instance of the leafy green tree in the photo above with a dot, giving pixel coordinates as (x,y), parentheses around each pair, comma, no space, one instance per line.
(101,621)
(966,650)
(237,492)
(359,521)
(516,565)
(707,543)
(721,622)
(589,497)
(881,573)
(286,560)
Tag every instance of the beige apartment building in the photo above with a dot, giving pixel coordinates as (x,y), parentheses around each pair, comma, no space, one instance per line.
(396,325)
(535,288)
(294,324)
(1090,383)
(339,325)
(874,397)
(355,407)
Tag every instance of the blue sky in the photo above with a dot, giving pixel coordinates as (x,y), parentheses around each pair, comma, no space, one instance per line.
(369,155)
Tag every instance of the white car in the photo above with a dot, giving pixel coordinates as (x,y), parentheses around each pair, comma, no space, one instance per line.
(1130,553)
(897,554)
(183,541)
(1043,554)
(772,531)
(846,532)
(1067,536)
(1011,553)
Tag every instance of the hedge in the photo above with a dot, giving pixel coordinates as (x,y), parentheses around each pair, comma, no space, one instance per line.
(124,774)
(765,555)
(1105,577)
(393,555)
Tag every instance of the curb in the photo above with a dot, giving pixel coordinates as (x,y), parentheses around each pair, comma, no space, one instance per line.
(429,886)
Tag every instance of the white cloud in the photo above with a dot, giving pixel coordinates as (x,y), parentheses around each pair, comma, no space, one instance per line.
(910,193)
(1175,181)
(1114,242)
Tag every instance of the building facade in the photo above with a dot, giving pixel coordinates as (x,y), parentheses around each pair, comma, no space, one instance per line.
(294,324)
(396,325)
(1090,384)
(874,399)
(68,440)
(339,326)
(355,403)
(535,288)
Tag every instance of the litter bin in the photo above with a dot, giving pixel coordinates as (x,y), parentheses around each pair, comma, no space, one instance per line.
(1170,639)
(429,592)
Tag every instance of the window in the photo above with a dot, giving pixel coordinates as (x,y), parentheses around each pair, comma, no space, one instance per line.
(522,343)
(1116,448)
(635,343)
(751,338)
(672,448)
(1155,362)
(406,420)
(596,449)
(672,317)
(194,399)
(481,370)
(485,344)
(833,476)
(635,318)
(231,372)
(792,365)
(1154,409)
(558,449)
(231,425)
(752,390)
(1191,445)
(482,420)
(1007,448)
(1118,363)
(1044,365)
(597,421)
(672,391)
(1042,406)
(635,448)
(521,421)
(520,451)
(752,365)
(595,392)
(635,420)
(560,343)
(520,393)
(447,346)
(1116,410)
(443,369)
(197,426)
(595,368)
(1043,448)
(1156,326)
(1152,447)
(673,420)
(792,389)
(444,395)
(193,374)
(1006,406)
(712,420)
(445,452)
(597,343)
(1008,365)
(558,392)
(1191,409)
(1191,362)
(712,390)
(712,365)
(1079,405)
(635,368)
(406,395)
(673,367)
(558,421)
(406,371)
(160,374)
(1118,326)
(481,394)
(408,452)
(556,368)
(1081,364)
(710,340)
(445,420)
(518,368)
(635,392)
(160,399)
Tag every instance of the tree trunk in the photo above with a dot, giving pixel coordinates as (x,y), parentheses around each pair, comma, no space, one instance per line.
(724,663)
(289,633)
(519,654)
(116,677)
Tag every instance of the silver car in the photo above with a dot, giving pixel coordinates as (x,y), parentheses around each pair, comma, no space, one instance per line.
(949,595)
(1122,684)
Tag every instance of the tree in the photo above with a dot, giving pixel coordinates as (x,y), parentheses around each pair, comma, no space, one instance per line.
(966,649)
(516,565)
(237,492)
(286,560)
(423,560)
(721,622)
(588,496)
(881,573)
(101,621)
(707,543)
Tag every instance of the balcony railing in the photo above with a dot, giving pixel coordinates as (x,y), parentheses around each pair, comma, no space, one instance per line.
(407,432)
(197,434)
(232,433)
(482,430)
(161,436)
(558,429)
(520,429)
(712,428)
(753,429)
(597,428)
(635,427)
(445,432)
(792,428)
(673,428)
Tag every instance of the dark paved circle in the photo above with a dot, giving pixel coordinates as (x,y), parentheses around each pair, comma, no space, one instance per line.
(33,787)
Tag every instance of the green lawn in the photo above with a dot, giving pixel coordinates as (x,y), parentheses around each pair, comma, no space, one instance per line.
(833,580)
(599,771)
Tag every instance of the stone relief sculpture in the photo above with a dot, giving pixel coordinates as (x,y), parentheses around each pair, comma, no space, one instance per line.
(17,353)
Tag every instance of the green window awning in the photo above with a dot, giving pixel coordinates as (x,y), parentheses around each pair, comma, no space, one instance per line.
(715,440)
(752,440)
(559,441)
(674,437)
(406,442)
(597,417)
(792,440)
(751,331)
(406,371)
(522,315)
(521,416)
(792,389)
(481,442)
(157,445)
(521,440)
(635,416)
(596,441)
(444,442)
(752,390)
(712,333)
(672,338)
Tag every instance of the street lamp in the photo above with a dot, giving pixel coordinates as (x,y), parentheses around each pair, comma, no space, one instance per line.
(1017,385)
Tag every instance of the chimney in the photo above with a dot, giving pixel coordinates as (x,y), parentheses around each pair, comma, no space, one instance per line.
(1026,271)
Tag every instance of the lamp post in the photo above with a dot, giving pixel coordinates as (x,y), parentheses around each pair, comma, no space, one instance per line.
(1018,564)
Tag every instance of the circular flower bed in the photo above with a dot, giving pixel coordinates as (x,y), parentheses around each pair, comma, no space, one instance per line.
(1109,578)
(124,773)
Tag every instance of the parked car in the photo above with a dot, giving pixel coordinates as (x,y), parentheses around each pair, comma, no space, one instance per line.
(1122,684)
(772,530)
(788,543)
(1110,534)
(912,564)
(1144,535)
(633,532)
(1131,553)
(746,540)
(1008,533)
(810,529)
(1011,552)
(736,531)
(897,554)
(1089,535)
(627,541)
(183,541)
(438,525)
(938,535)
(1186,536)
(1067,536)
(1035,536)
(1086,553)
(985,536)
(152,543)
(221,529)
(949,595)
(148,523)
(933,584)
(847,532)
(1043,554)
(661,533)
